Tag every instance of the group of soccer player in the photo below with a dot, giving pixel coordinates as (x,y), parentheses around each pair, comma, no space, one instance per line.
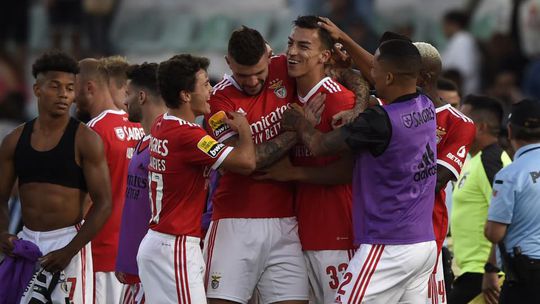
(320,192)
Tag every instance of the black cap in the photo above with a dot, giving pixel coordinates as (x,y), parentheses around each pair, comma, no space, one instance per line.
(526,114)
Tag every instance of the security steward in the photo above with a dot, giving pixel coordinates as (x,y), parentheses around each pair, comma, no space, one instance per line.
(514,214)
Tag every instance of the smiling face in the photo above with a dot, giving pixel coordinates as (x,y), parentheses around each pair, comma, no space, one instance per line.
(305,52)
(55,92)
(201,94)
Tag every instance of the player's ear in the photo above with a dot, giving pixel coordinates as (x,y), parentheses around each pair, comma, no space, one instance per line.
(185,96)
(389,78)
(325,57)
(141,97)
(227,60)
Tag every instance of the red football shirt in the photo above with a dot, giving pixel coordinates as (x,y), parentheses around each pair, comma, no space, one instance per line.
(455,134)
(324,212)
(181,153)
(239,196)
(120,136)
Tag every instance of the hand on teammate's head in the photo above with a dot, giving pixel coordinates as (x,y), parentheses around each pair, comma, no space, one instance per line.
(335,32)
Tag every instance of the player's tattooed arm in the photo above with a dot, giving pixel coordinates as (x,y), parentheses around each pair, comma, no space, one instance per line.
(318,143)
(354,81)
(271,151)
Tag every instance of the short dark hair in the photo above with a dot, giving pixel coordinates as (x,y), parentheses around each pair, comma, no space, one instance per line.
(458,17)
(178,74)
(490,110)
(525,134)
(144,76)
(312,22)
(56,61)
(402,55)
(246,46)
(446,84)
(388,35)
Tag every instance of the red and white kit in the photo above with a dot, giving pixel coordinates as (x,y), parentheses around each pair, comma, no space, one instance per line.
(171,266)
(455,133)
(253,238)
(120,136)
(327,248)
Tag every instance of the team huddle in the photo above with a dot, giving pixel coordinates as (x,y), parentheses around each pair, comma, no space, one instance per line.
(316,190)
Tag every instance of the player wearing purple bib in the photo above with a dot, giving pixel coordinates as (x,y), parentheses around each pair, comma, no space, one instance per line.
(393,182)
(143,105)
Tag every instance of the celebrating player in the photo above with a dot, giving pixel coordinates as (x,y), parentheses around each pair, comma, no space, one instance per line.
(253,240)
(171,265)
(393,184)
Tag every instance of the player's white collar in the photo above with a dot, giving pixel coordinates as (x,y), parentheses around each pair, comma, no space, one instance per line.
(233,81)
(442,108)
(312,91)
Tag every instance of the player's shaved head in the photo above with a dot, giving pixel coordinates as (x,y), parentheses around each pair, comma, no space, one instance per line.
(487,110)
(400,57)
(89,70)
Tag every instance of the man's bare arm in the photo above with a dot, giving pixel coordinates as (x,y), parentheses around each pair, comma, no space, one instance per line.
(336,173)
(443,177)
(96,173)
(354,81)
(361,57)
(7,180)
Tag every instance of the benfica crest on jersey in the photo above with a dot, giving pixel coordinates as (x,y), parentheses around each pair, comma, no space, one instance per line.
(120,133)
(215,281)
(279,89)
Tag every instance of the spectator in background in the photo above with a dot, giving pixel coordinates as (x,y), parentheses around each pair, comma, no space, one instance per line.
(65,17)
(461,52)
(98,18)
(448,91)
(14,27)
(470,199)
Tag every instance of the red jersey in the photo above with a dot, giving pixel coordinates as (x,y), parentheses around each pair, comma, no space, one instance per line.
(120,136)
(239,196)
(181,153)
(455,134)
(324,211)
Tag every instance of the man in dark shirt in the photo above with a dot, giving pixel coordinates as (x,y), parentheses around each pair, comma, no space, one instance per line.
(52,192)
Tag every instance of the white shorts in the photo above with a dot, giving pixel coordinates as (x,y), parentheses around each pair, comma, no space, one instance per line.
(107,288)
(132,294)
(325,269)
(244,254)
(77,283)
(171,268)
(436,286)
(388,274)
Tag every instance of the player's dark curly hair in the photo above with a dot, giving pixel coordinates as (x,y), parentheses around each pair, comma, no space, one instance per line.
(178,74)
(55,61)
(311,22)
(144,76)
(246,46)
